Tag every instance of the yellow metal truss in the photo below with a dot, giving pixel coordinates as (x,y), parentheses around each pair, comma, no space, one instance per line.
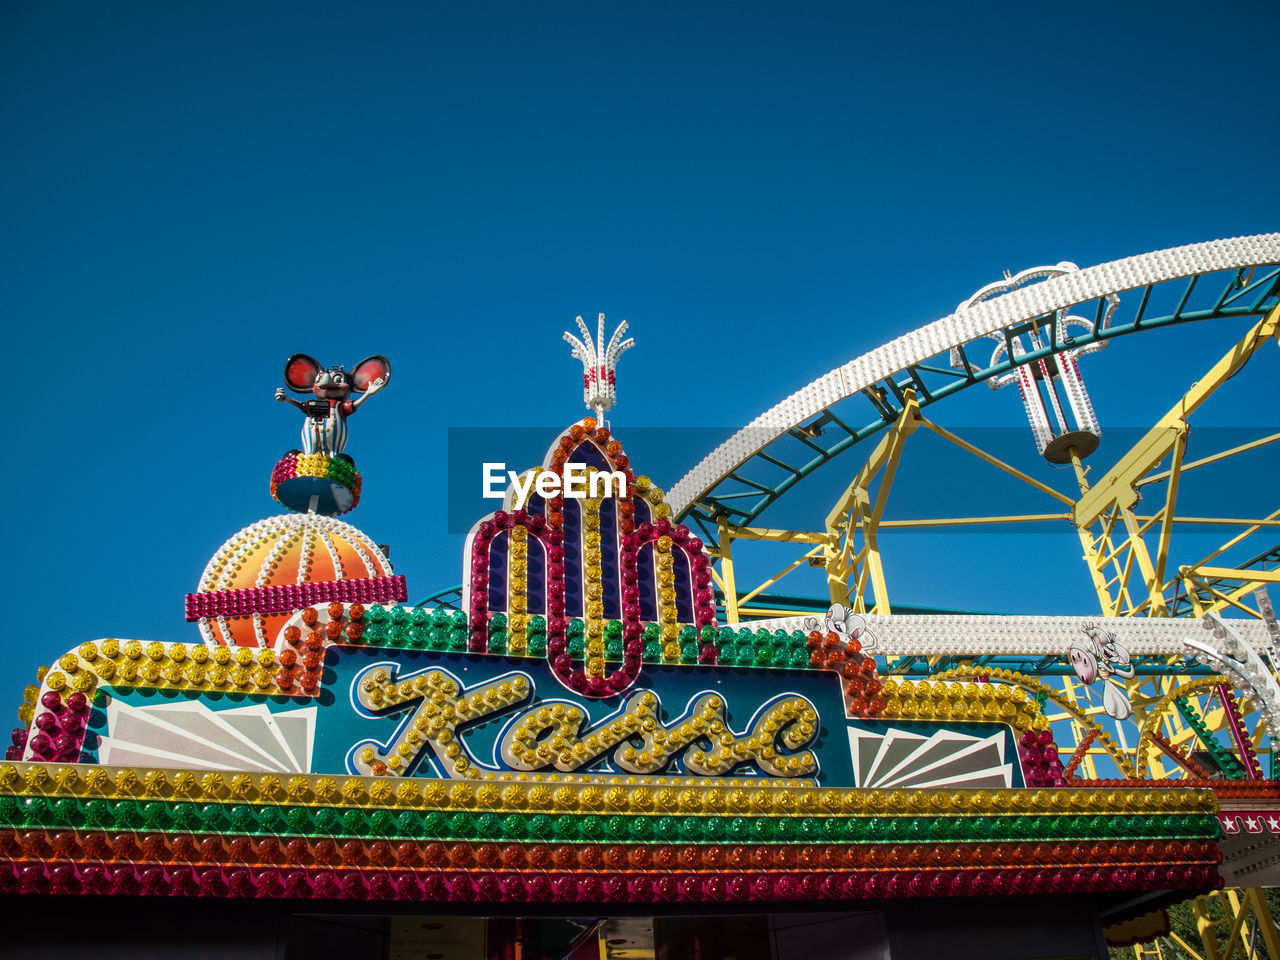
(1128,558)
(1245,917)
(737,603)
(1131,578)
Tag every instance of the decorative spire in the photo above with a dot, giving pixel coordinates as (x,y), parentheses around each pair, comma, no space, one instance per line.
(599,384)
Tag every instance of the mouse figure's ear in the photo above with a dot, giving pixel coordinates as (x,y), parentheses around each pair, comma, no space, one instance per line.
(300,372)
(368,370)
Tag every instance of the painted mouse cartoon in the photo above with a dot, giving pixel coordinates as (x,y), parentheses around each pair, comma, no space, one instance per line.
(1103,657)
(325,429)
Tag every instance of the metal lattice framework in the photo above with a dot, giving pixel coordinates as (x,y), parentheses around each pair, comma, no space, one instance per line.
(1189,719)
(746,474)
(1128,552)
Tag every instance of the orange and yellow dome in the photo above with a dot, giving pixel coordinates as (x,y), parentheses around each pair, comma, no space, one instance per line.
(262,575)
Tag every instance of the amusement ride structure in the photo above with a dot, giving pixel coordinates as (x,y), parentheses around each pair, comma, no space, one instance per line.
(604,721)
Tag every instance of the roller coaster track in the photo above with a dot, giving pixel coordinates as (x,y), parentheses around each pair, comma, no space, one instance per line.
(760,463)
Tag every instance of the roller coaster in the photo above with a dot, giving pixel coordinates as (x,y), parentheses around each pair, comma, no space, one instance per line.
(1030,330)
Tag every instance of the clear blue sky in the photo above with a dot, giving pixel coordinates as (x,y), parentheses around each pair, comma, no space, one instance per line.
(192,192)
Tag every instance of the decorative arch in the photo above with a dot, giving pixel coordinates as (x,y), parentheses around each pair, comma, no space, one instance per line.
(599,559)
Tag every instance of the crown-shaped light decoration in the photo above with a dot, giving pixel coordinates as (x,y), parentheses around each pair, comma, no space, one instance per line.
(599,384)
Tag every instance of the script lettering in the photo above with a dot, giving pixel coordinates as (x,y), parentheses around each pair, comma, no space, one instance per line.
(559,735)
(440,705)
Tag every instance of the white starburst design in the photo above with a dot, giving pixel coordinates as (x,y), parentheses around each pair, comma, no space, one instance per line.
(945,758)
(190,733)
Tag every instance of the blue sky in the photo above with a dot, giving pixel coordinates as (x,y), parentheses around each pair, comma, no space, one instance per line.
(193,192)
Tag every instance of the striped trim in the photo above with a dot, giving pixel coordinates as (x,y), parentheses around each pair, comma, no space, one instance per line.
(221,603)
(104,830)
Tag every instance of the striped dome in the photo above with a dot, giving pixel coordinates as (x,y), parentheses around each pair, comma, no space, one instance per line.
(292,549)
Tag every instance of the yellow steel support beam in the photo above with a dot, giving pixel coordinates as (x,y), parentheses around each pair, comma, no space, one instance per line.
(1111,497)
(1228,573)
(995,462)
(1095,563)
(1116,554)
(1117,485)
(1204,925)
(777,536)
(885,456)
(1224,521)
(726,577)
(744,598)
(1214,458)
(1171,498)
(1186,948)
(1238,915)
(725,549)
(975,521)
(856,515)
(1218,600)
(1266,924)
(851,569)
(1138,553)
(1271,520)
(760,613)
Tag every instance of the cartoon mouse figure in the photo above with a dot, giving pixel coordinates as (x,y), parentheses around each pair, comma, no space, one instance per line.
(847,624)
(325,429)
(1102,657)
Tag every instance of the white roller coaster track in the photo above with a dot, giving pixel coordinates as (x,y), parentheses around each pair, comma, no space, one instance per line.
(961,327)
(972,635)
